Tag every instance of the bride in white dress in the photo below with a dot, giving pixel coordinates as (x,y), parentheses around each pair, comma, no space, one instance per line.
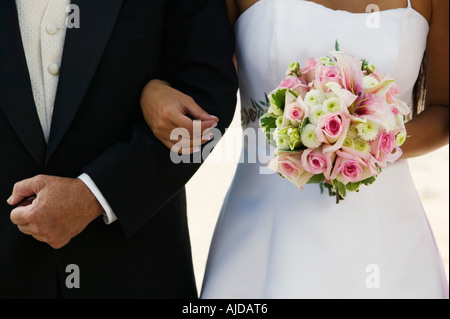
(275,241)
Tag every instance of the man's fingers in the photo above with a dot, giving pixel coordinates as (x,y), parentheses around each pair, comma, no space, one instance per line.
(26,229)
(192,129)
(193,109)
(187,142)
(206,128)
(182,148)
(19,216)
(25,189)
(189,150)
(27,201)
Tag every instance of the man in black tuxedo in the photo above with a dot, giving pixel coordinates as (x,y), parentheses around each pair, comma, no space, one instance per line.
(52,219)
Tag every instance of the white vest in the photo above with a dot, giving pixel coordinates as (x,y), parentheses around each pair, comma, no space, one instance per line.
(43,29)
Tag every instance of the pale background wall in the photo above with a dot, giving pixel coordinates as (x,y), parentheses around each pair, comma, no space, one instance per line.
(207,189)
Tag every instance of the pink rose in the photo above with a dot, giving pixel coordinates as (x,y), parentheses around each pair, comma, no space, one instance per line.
(387,142)
(290,82)
(352,171)
(383,148)
(330,74)
(288,169)
(352,166)
(310,64)
(369,161)
(332,130)
(295,84)
(316,162)
(297,111)
(311,69)
(287,166)
(290,166)
(331,126)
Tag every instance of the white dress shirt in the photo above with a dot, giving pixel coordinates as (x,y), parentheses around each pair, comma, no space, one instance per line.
(43,30)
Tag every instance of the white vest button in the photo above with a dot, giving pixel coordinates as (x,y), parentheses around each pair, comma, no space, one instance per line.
(51,29)
(53,69)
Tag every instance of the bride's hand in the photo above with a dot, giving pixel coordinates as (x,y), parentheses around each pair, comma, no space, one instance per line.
(166,109)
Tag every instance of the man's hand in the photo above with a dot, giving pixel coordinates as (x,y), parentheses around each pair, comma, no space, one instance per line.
(166,109)
(53,209)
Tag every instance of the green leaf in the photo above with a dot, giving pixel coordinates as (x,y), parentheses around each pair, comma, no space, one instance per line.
(364,65)
(303,124)
(340,188)
(353,187)
(278,99)
(336,46)
(267,99)
(328,186)
(271,140)
(369,181)
(317,179)
(268,121)
(293,93)
(322,188)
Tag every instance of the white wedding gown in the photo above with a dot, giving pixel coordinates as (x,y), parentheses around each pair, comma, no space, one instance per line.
(275,241)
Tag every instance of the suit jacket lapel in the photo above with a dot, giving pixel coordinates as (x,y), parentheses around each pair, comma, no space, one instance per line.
(83,49)
(16,95)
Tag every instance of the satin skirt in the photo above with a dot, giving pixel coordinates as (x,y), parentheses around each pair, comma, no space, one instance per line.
(273,241)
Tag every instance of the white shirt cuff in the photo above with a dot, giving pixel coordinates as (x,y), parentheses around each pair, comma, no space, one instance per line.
(109,217)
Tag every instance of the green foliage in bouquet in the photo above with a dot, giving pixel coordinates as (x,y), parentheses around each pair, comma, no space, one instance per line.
(268,123)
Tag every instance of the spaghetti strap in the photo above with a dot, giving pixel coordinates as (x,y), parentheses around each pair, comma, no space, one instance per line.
(409,4)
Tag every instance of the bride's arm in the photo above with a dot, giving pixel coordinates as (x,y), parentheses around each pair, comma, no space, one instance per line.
(430,130)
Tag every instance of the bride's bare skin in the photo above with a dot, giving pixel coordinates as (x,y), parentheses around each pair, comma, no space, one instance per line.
(237,7)
(428,131)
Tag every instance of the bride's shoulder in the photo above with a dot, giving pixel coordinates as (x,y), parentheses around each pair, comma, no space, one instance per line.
(430,8)
(244,5)
(425,8)
(237,7)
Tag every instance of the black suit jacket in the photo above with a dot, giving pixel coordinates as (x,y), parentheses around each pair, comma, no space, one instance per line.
(98,129)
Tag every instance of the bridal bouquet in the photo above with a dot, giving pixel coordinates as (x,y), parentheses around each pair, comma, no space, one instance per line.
(336,122)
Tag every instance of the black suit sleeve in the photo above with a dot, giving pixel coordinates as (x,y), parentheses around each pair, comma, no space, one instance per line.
(138,178)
